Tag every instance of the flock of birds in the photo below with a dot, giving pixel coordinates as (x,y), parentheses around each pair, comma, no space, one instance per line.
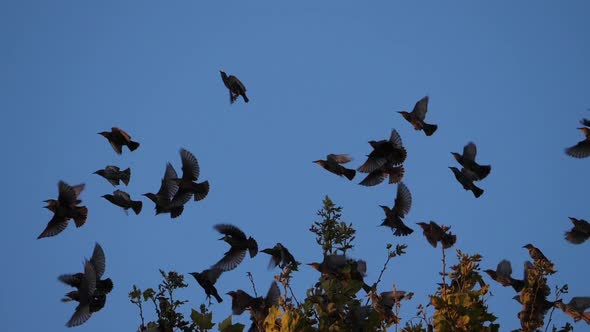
(384,161)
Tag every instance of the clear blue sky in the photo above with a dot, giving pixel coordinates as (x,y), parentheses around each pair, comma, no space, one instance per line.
(322,78)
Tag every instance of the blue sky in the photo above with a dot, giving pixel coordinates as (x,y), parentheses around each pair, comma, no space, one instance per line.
(322,78)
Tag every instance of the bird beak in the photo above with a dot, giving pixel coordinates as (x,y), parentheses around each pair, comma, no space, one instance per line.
(95,172)
(222,238)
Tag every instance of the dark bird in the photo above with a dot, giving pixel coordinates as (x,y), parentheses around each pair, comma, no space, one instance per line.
(333,165)
(466,178)
(335,266)
(395,174)
(84,296)
(389,151)
(582,149)
(122,199)
(579,233)
(401,206)
(114,175)
(417,116)
(281,257)
(235,87)
(190,174)
(64,208)
(585,122)
(503,275)
(98,261)
(239,245)
(207,280)
(386,301)
(435,233)
(118,137)
(257,306)
(537,255)
(467,160)
(166,199)
(575,308)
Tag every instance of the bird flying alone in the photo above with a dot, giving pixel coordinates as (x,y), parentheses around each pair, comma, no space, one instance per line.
(467,160)
(64,208)
(207,280)
(114,175)
(122,199)
(118,138)
(401,207)
(190,175)
(582,149)
(435,233)
(333,163)
(281,257)
(503,275)
(417,115)
(239,245)
(235,86)
(579,233)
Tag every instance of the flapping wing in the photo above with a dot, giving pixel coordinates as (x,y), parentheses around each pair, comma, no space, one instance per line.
(373,179)
(230,230)
(230,260)
(98,261)
(339,158)
(403,200)
(190,165)
(421,108)
(469,151)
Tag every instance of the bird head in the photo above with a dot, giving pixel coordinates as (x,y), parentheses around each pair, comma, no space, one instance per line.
(51,204)
(455,170)
(267,251)
(315,265)
(320,162)
(491,273)
(405,114)
(151,196)
(99,172)
(517,298)
(528,246)
(586,131)
(196,275)
(105,134)
(456,155)
(423,225)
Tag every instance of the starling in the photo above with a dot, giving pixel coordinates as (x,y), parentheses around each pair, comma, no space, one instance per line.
(467,160)
(582,149)
(65,208)
(166,199)
(114,175)
(239,245)
(575,308)
(466,178)
(401,207)
(503,275)
(579,233)
(122,199)
(257,306)
(207,280)
(395,173)
(333,165)
(281,257)
(334,266)
(190,174)
(416,117)
(235,87)
(435,233)
(84,295)
(118,137)
(389,151)
(386,301)
(585,122)
(537,255)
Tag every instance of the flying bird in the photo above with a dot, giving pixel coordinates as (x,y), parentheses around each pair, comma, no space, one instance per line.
(64,208)
(576,308)
(387,151)
(190,175)
(435,233)
(207,280)
(503,275)
(114,175)
(84,296)
(235,86)
(582,149)
(281,257)
(401,207)
(395,174)
(239,245)
(417,116)
(165,199)
(122,199)
(117,138)
(333,165)
(257,306)
(466,178)
(579,233)
(467,160)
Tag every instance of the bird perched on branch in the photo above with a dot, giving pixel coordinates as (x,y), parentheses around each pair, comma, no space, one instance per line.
(257,306)
(503,275)
(417,116)
(207,280)
(401,206)
(190,175)
(166,199)
(122,199)
(466,179)
(384,152)
(435,233)
(579,233)
(235,86)
(335,266)
(281,257)
(467,160)
(239,245)
(333,165)
(118,138)
(114,175)
(537,255)
(64,208)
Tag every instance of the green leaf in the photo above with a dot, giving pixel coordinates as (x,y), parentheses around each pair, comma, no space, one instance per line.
(227,326)
(203,321)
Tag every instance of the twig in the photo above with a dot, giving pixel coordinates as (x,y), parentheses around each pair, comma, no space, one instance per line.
(557,294)
(249,274)
(293,295)
(444,271)
(389,256)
